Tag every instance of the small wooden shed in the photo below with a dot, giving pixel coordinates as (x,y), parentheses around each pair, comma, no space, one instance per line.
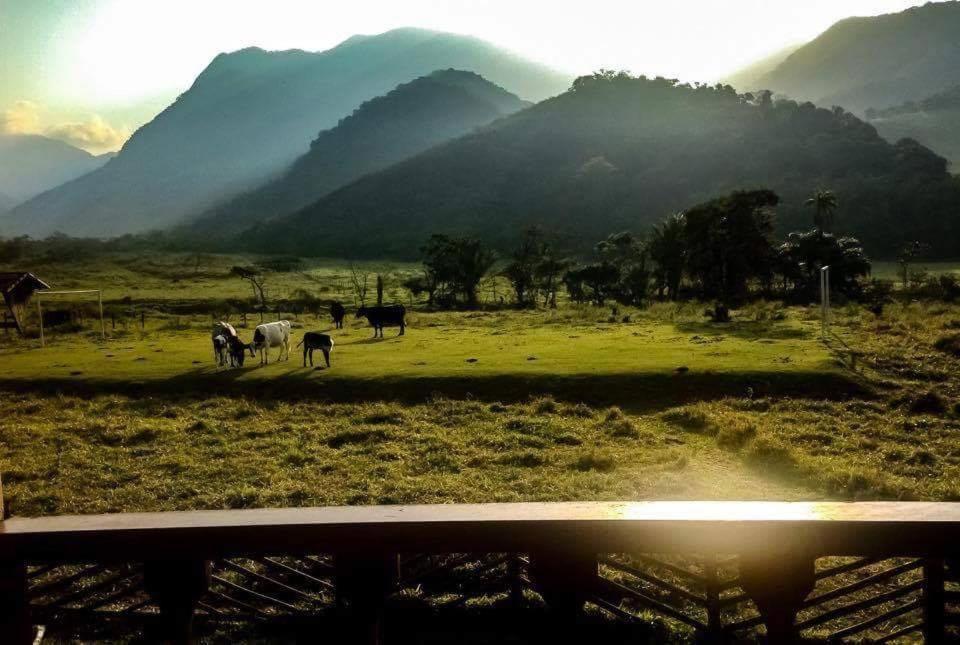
(17,288)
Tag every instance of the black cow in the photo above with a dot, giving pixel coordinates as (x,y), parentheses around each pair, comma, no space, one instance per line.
(314,340)
(238,351)
(337,312)
(380,317)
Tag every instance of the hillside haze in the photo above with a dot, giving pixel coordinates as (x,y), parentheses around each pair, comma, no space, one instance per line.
(410,119)
(933,121)
(248,116)
(616,153)
(31,164)
(875,62)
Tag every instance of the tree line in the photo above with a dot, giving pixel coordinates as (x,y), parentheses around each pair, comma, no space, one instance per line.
(723,250)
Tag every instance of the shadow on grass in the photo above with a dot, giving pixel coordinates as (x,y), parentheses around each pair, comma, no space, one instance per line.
(637,391)
(745,330)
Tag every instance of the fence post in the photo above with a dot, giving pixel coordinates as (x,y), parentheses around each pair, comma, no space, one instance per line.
(363,584)
(712,591)
(778,584)
(566,579)
(176,587)
(15,623)
(933,601)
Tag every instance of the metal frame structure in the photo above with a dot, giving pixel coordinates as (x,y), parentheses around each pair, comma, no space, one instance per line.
(99,292)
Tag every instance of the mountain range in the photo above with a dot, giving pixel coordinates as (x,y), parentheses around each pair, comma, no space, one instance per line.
(875,62)
(247,117)
(408,120)
(31,164)
(620,153)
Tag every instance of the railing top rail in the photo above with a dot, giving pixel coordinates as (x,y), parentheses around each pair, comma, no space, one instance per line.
(836,528)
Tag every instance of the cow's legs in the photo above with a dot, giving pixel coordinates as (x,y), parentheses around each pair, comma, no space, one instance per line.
(305,352)
(326,355)
(402,328)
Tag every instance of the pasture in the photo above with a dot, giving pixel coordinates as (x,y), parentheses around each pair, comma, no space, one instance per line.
(491,405)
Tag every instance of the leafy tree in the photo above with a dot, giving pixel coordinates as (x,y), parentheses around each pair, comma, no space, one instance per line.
(597,281)
(458,264)
(805,254)
(522,269)
(549,275)
(668,251)
(824,204)
(729,243)
(628,255)
(257,279)
(909,253)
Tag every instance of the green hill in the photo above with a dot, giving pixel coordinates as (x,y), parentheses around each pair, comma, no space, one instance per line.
(934,122)
(875,62)
(247,117)
(410,119)
(617,153)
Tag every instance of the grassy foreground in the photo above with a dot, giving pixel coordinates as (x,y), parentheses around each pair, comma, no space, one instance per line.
(570,404)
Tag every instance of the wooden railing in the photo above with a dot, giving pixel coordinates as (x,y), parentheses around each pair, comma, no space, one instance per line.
(821,562)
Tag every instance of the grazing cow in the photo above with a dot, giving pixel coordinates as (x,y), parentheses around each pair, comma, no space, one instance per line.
(220,350)
(337,312)
(238,351)
(275,334)
(313,340)
(380,317)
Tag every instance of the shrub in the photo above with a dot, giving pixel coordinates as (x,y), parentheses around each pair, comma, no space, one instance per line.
(929,403)
(949,344)
(691,420)
(767,454)
(545,405)
(525,459)
(735,436)
(593,461)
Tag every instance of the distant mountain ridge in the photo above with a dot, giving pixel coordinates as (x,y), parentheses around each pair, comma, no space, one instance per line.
(248,116)
(616,153)
(382,131)
(875,62)
(933,121)
(31,164)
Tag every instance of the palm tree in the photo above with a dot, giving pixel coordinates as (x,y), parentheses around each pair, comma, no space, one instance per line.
(668,251)
(824,203)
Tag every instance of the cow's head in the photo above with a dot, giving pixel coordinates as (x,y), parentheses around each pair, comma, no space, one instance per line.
(361,312)
(252,348)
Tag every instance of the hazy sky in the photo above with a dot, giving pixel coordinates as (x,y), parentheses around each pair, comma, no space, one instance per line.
(91,71)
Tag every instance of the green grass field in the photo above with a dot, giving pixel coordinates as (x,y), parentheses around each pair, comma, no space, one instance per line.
(493,405)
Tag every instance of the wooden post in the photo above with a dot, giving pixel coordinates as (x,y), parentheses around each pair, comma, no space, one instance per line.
(933,602)
(40,317)
(566,579)
(103,329)
(15,623)
(363,584)
(176,587)
(714,618)
(778,584)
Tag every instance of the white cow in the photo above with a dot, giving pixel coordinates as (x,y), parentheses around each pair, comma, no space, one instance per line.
(275,334)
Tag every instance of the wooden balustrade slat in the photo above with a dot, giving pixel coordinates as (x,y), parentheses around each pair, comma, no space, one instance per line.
(900,633)
(256,594)
(847,567)
(846,632)
(118,595)
(622,591)
(280,566)
(239,568)
(873,601)
(654,580)
(876,578)
(112,579)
